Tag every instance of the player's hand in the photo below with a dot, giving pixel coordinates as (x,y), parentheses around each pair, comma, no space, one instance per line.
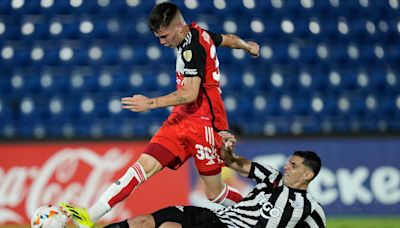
(254,49)
(228,139)
(227,154)
(137,103)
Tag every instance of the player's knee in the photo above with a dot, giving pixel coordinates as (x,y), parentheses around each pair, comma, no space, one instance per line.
(145,221)
(150,165)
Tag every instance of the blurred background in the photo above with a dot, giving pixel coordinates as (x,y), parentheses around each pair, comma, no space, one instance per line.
(328,78)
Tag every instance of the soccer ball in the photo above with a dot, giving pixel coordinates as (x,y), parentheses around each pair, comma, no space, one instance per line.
(49,217)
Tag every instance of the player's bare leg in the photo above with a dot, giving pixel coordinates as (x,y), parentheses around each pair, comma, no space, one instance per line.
(219,192)
(170,225)
(145,221)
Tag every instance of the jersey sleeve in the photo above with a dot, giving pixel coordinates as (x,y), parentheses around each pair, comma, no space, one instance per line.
(216,37)
(265,174)
(317,218)
(194,58)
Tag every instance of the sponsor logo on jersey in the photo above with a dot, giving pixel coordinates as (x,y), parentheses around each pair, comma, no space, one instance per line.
(269,211)
(180,208)
(190,71)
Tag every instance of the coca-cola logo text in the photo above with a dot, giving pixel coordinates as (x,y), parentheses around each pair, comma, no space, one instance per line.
(75,175)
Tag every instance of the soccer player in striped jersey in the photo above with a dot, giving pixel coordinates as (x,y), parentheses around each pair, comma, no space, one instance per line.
(277,200)
(197,125)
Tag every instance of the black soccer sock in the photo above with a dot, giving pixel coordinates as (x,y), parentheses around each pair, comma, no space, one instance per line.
(123,224)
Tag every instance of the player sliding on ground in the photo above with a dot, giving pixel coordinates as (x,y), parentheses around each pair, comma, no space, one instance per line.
(276,201)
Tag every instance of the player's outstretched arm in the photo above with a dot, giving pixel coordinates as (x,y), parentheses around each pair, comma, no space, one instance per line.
(234,41)
(236,162)
(187,94)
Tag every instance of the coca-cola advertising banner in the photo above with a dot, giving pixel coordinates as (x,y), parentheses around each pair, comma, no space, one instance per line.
(32,175)
(360,176)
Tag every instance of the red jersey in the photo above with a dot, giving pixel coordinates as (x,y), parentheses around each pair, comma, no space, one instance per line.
(197,57)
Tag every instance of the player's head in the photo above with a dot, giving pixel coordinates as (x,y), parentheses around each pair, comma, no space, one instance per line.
(301,169)
(167,24)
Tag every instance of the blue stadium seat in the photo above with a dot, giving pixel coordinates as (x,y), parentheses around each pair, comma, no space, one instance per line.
(348,79)
(60,81)
(12,27)
(309,55)
(323,8)
(231,8)
(20,57)
(149,81)
(141,9)
(86,8)
(282,81)
(120,81)
(29,110)
(367,54)
(382,8)
(69,28)
(388,106)
(351,9)
(251,81)
(59,7)
(113,8)
(360,32)
(273,31)
(273,105)
(100,29)
(51,56)
(281,55)
(109,55)
(57,107)
(329,31)
(5,8)
(393,53)
(5,111)
(5,83)
(330,104)
(79,57)
(292,8)
(119,57)
(302,30)
(338,54)
(40,32)
(231,80)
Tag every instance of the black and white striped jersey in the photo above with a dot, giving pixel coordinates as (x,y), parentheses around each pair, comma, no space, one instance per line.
(272,204)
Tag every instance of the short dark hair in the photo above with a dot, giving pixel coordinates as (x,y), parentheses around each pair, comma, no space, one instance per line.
(311,160)
(162,15)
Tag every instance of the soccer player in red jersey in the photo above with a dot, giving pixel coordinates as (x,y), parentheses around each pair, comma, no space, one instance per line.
(197,126)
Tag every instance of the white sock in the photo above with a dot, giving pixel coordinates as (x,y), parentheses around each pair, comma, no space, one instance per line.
(118,191)
(229,196)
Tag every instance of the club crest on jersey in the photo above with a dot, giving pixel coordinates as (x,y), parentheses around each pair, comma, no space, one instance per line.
(295,204)
(187,55)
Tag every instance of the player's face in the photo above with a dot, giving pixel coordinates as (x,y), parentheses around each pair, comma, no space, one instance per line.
(296,174)
(169,36)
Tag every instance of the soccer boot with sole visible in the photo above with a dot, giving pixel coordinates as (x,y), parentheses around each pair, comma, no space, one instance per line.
(79,215)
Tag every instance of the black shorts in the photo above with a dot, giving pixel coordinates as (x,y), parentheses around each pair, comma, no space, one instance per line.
(188,216)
